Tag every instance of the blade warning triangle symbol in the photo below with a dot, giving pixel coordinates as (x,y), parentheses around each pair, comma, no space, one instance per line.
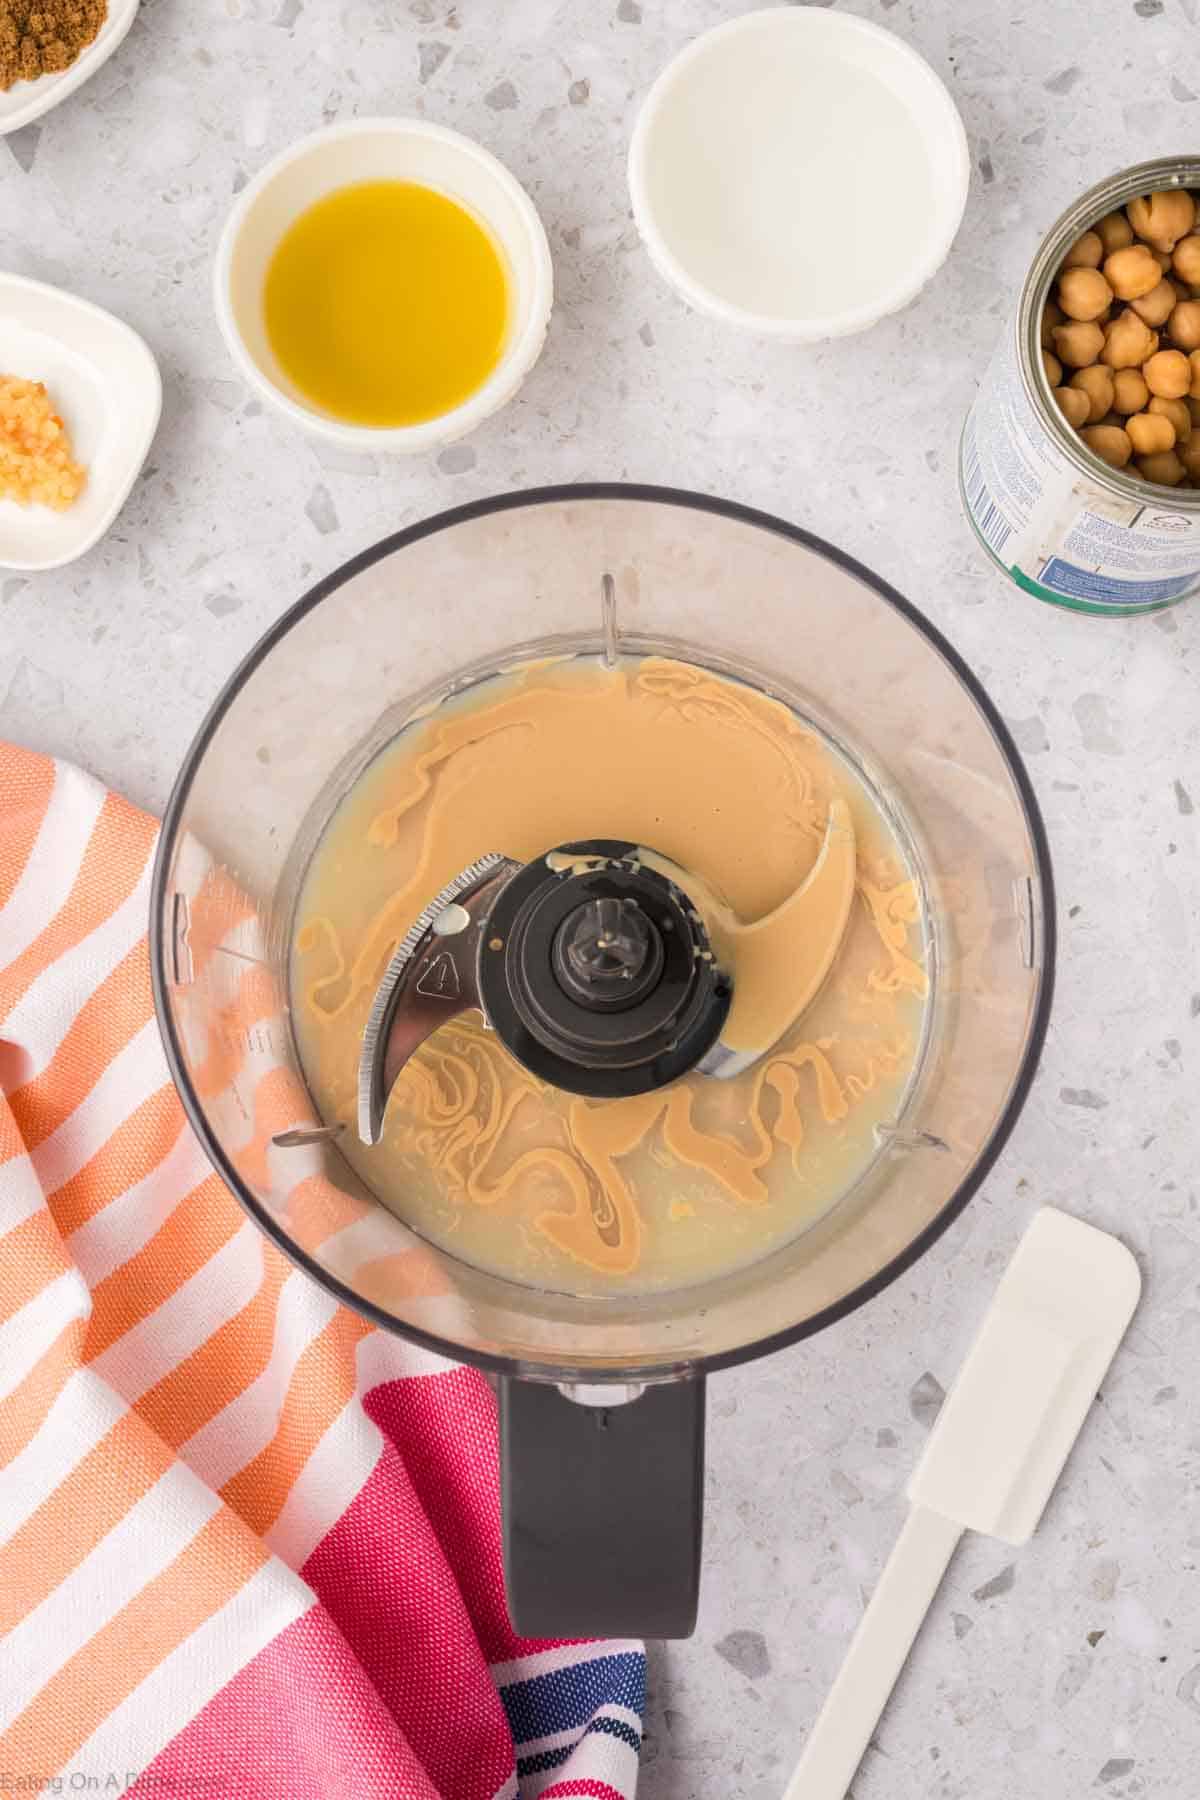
(440,980)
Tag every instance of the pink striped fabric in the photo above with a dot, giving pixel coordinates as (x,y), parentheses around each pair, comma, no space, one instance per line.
(249,1545)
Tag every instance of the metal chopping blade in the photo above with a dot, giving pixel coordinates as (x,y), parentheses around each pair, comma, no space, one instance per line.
(431,977)
(593,969)
(594,966)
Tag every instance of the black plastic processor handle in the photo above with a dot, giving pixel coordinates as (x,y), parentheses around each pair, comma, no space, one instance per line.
(603,1510)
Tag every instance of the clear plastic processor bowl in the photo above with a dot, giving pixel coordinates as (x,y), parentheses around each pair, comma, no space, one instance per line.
(428,610)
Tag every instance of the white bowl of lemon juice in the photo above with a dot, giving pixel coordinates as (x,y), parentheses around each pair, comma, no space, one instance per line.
(384,283)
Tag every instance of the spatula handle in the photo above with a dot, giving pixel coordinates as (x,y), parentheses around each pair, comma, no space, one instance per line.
(875,1658)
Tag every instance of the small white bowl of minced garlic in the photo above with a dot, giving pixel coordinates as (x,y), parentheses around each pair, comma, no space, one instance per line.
(80,396)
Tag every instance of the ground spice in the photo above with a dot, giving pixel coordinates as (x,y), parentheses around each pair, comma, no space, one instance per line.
(40,37)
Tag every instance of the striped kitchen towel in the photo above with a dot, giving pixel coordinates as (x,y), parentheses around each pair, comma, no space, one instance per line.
(249,1545)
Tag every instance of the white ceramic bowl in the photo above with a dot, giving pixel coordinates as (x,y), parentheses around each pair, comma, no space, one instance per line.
(381,150)
(105,384)
(799,173)
(28,100)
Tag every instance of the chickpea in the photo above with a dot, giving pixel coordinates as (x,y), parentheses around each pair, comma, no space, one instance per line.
(1131,272)
(1053,368)
(1182,290)
(1087,252)
(1162,218)
(1114,232)
(1132,469)
(1148,433)
(1164,467)
(1077,343)
(1109,442)
(1156,307)
(1193,406)
(1130,393)
(1162,258)
(1128,341)
(1186,260)
(1189,456)
(1176,411)
(1083,293)
(1052,315)
(1073,404)
(1097,384)
(1194,360)
(1183,327)
(1168,373)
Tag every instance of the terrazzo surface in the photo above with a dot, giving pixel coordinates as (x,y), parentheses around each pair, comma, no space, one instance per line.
(1071,1666)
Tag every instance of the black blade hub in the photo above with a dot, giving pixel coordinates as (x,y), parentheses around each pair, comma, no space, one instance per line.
(597,973)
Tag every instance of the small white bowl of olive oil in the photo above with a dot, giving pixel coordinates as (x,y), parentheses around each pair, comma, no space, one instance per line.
(384,283)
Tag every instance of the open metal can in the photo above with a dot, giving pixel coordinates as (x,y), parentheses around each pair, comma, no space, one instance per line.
(1060,522)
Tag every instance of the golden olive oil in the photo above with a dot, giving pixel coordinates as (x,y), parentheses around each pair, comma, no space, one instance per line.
(387,303)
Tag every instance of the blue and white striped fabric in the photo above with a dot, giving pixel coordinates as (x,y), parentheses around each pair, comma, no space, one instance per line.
(549,1697)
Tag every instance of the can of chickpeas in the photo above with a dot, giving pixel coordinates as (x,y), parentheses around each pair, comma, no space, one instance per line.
(1108,522)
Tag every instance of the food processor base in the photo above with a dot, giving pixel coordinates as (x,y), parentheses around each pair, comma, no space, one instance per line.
(571,1467)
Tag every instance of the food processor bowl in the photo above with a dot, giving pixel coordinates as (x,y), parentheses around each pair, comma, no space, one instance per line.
(601,1398)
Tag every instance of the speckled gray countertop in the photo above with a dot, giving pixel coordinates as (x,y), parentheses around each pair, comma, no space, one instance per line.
(1070,1666)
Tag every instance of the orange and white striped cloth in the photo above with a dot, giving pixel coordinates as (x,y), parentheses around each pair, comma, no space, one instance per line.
(248,1544)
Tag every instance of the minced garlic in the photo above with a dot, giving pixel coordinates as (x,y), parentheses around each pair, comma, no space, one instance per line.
(36,464)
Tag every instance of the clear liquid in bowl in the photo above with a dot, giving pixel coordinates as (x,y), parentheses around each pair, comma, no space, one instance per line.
(656,1192)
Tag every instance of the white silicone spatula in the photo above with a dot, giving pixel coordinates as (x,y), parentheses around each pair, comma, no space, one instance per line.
(997,1450)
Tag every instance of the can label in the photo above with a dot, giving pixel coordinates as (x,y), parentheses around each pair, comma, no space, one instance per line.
(1051,526)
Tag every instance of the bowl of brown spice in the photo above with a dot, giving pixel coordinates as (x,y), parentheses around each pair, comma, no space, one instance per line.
(48,48)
